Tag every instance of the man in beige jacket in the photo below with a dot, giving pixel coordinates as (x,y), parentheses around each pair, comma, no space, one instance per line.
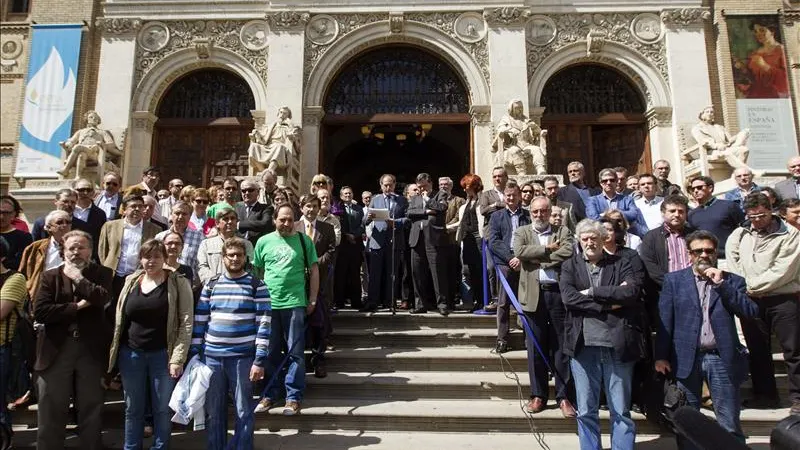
(766,252)
(541,248)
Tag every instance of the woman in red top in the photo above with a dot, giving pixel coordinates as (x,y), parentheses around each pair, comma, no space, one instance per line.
(200,220)
(765,68)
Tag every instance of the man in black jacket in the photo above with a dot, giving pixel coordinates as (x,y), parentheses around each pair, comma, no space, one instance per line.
(255,218)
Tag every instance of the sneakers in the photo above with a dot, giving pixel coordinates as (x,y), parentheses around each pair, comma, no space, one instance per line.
(291,408)
(264,405)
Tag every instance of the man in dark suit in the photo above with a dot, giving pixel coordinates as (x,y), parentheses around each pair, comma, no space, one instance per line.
(386,235)
(489,201)
(255,218)
(427,240)
(64,201)
(661,170)
(697,338)
(72,350)
(791,188)
(502,226)
(577,191)
(324,239)
(87,212)
(109,199)
(350,255)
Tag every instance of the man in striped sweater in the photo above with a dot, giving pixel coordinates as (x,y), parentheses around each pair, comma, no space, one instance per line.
(231,331)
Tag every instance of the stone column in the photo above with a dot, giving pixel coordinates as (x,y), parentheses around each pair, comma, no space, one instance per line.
(115,80)
(140,138)
(285,62)
(659,126)
(688,74)
(507,65)
(309,159)
(482,134)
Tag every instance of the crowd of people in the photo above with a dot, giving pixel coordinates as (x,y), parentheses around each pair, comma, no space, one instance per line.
(125,286)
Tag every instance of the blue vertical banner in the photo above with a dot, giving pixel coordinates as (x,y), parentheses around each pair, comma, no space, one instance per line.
(49,99)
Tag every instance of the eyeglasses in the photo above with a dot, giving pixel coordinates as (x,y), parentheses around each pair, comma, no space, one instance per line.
(527,191)
(249,189)
(320,183)
(83,190)
(179,186)
(201,201)
(62,222)
(111,183)
(6,212)
(234,255)
(135,206)
(699,186)
(229,188)
(608,180)
(757,216)
(701,251)
(538,211)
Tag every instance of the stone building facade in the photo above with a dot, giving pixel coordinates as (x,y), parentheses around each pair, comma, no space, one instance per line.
(616,83)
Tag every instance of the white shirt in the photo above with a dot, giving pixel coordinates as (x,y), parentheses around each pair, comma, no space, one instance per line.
(651,210)
(108,204)
(129,250)
(546,276)
(632,241)
(82,213)
(165,206)
(53,258)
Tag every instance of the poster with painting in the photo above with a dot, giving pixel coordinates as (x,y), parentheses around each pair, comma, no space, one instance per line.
(758,57)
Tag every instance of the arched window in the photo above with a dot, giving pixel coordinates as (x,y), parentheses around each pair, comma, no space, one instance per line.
(207,94)
(397,80)
(590,89)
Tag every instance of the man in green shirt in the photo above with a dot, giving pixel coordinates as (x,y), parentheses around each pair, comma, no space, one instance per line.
(231,188)
(284,256)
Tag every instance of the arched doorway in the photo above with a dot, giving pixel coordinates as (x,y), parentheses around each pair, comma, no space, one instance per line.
(202,127)
(396,109)
(595,115)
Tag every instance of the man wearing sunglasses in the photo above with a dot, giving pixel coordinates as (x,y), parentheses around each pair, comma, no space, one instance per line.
(89,217)
(766,252)
(609,198)
(716,215)
(231,188)
(109,199)
(255,218)
(165,205)
(697,339)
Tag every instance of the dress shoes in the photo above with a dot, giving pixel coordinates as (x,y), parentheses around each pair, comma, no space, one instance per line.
(761,402)
(444,311)
(535,406)
(368,309)
(418,311)
(403,306)
(567,410)
(502,347)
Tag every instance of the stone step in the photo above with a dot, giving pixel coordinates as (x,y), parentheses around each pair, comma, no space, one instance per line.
(444,385)
(455,359)
(403,320)
(372,440)
(474,338)
(440,415)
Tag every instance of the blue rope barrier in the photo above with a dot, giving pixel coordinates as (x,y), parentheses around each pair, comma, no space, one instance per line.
(485,270)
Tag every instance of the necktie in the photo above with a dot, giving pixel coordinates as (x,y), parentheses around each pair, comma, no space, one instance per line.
(310,230)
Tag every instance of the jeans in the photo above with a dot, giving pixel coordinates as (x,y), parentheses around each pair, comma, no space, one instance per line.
(5,374)
(288,329)
(229,376)
(547,324)
(725,396)
(593,368)
(140,370)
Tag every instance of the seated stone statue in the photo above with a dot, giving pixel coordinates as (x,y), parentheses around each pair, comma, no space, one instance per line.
(274,145)
(83,149)
(720,144)
(520,143)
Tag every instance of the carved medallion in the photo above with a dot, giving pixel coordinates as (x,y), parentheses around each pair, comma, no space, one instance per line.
(10,50)
(647,28)
(541,30)
(153,37)
(470,27)
(322,29)
(254,35)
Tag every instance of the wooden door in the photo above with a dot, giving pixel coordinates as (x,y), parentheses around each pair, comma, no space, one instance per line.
(620,146)
(566,143)
(191,152)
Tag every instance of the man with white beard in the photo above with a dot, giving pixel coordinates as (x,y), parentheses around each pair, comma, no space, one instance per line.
(541,248)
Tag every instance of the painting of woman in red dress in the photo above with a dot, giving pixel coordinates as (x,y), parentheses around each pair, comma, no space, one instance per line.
(763,73)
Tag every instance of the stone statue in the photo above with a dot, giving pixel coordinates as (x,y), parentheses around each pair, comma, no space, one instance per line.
(720,144)
(90,146)
(520,143)
(274,146)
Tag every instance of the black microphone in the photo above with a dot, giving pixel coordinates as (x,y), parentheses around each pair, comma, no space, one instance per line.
(703,432)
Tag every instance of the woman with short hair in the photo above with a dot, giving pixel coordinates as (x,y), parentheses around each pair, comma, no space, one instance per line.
(152,334)
(201,198)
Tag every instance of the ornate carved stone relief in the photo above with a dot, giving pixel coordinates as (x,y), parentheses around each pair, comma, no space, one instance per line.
(506,16)
(443,21)
(288,20)
(322,29)
(118,26)
(202,36)
(11,48)
(598,29)
(685,17)
(396,21)
(659,116)
(470,27)
(312,115)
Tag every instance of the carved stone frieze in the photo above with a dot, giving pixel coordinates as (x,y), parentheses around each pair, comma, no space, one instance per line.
(396,20)
(201,36)
(481,114)
(659,116)
(685,17)
(312,115)
(443,21)
(118,26)
(143,121)
(11,48)
(288,20)
(506,16)
(597,30)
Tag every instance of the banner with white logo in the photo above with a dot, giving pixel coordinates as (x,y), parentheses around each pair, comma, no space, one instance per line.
(49,99)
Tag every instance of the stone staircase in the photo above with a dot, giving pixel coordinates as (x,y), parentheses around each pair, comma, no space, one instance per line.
(424,374)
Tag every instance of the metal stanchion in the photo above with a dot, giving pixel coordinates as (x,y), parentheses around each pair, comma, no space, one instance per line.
(485,311)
